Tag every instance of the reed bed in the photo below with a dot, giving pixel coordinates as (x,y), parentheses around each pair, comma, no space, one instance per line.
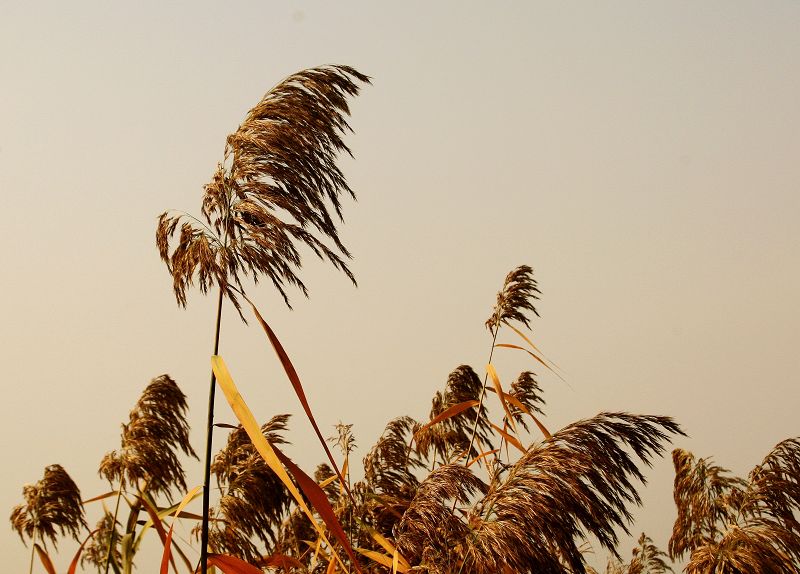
(481,486)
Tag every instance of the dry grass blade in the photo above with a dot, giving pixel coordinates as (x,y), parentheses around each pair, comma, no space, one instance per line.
(73,566)
(294,378)
(320,502)
(447,413)
(232,565)
(166,558)
(44,558)
(509,438)
(501,394)
(264,448)
(254,500)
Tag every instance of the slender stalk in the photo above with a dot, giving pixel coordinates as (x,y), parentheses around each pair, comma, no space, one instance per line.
(130,532)
(483,395)
(209,436)
(480,406)
(33,550)
(113,529)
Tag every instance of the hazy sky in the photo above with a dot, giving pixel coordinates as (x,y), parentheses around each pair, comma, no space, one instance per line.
(642,157)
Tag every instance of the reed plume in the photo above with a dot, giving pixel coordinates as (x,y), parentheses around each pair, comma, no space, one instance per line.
(277,190)
(389,474)
(451,437)
(429,526)
(580,481)
(52,507)
(157,429)
(729,525)
(515,299)
(105,536)
(513,303)
(527,391)
(646,558)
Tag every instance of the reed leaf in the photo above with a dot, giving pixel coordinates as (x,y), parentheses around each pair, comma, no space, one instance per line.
(254,500)
(274,459)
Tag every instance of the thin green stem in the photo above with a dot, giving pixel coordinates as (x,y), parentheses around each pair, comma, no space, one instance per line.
(33,551)
(209,436)
(113,529)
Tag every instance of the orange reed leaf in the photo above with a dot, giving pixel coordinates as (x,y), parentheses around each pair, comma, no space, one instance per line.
(232,565)
(499,389)
(509,437)
(45,558)
(262,445)
(448,413)
(294,378)
(166,558)
(319,501)
(73,566)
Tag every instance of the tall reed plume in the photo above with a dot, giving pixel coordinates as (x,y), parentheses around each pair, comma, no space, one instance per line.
(277,190)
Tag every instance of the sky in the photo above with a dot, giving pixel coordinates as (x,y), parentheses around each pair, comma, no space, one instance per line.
(641,157)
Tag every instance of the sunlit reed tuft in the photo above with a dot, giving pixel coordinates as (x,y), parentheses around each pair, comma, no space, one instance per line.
(52,508)
(727,524)
(156,430)
(515,299)
(278,188)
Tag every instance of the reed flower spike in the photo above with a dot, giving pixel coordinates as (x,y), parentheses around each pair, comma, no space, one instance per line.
(515,299)
(278,188)
(52,507)
(157,429)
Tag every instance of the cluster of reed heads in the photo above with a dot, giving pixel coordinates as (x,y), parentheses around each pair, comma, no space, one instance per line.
(481,486)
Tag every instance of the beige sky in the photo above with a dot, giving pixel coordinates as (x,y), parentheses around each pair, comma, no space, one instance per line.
(642,157)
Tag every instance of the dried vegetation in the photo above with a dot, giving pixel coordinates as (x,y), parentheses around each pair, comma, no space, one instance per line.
(476,488)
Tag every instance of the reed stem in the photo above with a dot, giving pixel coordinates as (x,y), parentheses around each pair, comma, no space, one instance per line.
(209,436)
(113,528)
(483,395)
(33,550)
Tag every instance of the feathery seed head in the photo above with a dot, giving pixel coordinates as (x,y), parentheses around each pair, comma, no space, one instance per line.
(515,299)
(156,430)
(52,507)
(279,188)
